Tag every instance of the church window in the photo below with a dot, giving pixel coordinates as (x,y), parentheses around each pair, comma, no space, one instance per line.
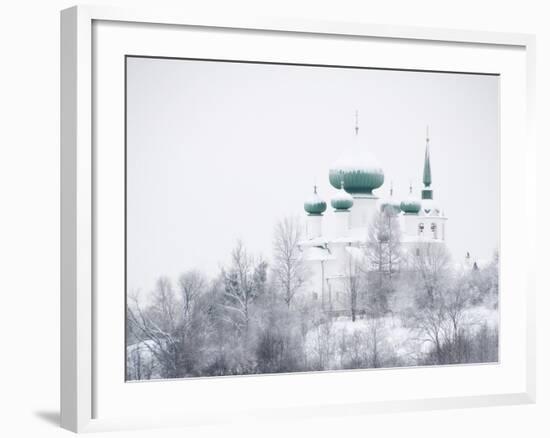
(433,227)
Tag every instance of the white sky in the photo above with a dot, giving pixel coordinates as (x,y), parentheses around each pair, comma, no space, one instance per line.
(220,151)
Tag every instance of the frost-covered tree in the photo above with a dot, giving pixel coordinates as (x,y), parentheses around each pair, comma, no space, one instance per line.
(243,282)
(157,325)
(191,285)
(484,282)
(171,328)
(354,279)
(288,268)
(383,256)
(383,247)
(431,263)
(444,317)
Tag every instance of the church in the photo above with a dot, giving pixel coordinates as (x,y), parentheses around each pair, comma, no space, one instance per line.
(331,248)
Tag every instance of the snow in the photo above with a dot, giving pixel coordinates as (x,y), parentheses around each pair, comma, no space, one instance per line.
(357,159)
(394,336)
(317,254)
(317,241)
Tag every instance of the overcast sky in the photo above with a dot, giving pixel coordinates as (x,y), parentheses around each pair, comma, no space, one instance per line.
(219,151)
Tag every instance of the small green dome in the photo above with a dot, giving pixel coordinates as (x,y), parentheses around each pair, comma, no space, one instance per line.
(315,206)
(342,201)
(359,170)
(411,205)
(390,204)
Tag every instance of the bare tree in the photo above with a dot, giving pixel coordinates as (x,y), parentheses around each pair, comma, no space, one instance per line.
(323,342)
(429,324)
(456,300)
(383,243)
(353,279)
(191,285)
(431,263)
(383,258)
(156,326)
(173,328)
(140,364)
(440,315)
(240,288)
(288,268)
(374,341)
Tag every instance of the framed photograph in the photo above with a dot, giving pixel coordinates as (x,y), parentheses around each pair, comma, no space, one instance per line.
(255,206)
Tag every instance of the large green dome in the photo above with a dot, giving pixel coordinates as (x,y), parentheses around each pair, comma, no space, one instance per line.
(314,205)
(359,170)
(411,205)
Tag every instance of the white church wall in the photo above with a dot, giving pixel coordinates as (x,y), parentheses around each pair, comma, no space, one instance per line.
(314,226)
(363,210)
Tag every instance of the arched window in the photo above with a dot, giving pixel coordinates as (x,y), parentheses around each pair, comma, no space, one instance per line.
(420,228)
(433,227)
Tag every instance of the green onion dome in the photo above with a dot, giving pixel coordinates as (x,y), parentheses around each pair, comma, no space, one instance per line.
(359,170)
(342,201)
(390,204)
(411,205)
(314,205)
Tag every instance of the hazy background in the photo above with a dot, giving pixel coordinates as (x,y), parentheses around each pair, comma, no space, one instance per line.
(220,151)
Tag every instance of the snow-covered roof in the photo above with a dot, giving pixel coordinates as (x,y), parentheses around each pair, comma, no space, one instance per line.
(316,253)
(343,239)
(317,241)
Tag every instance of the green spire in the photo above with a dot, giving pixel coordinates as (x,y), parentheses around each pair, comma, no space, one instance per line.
(427,178)
(427,192)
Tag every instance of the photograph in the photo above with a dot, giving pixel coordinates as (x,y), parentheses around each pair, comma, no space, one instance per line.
(289,218)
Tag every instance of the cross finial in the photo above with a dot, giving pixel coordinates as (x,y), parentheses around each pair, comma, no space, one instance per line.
(427,133)
(356,122)
(315,188)
(391,188)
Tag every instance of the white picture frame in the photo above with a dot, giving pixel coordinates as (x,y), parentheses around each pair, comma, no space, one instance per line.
(79,169)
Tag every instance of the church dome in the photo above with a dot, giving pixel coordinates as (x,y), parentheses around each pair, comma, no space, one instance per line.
(342,201)
(390,204)
(315,205)
(411,205)
(359,170)
(357,167)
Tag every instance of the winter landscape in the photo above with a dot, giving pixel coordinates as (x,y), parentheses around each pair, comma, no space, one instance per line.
(260,243)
